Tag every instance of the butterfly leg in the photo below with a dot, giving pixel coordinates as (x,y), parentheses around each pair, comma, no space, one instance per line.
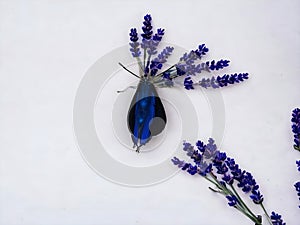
(138,149)
(133,87)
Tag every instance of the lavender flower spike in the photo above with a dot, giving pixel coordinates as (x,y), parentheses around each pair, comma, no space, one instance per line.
(147,28)
(298,165)
(134,44)
(201,51)
(223,81)
(218,65)
(296,128)
(297,187)
(276,219)
(147,32)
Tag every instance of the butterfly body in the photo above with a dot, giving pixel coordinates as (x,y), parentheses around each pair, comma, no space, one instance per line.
(146,116)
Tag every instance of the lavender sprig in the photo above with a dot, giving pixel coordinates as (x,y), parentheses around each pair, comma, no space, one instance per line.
(219,81)
(296,128)
(135,47)
(146,38)
(152,45)
(134,44)
(231,79)
(147,28)
(221,170)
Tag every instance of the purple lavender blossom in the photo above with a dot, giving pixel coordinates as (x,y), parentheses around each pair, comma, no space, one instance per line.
(158,36)
(191,169)
(133,35)
(276,219)
(208,155)
(297,187)
(187,66)
(157,63)
(217,65)
(232,200)
(296,128)
(211,150)
(147,28)
(231,79)
(218,82)
(134,44)
(154,42)
(167,75)
(178,162)
(209,82)
(222,81)
(256,196)
(147,32)
(188,83)
(200,146)
(201,51)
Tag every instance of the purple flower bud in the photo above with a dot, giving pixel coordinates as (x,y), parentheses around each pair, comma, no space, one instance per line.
(296,128)
(276,219)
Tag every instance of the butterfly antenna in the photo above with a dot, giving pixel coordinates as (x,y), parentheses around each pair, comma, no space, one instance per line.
(128,70)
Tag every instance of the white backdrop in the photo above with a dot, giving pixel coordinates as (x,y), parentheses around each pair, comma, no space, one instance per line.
(47,46)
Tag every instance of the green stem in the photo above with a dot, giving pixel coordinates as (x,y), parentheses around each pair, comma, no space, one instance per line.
(253,219)
(241,200)
(140,65)
(215,183)
(148,60)
(145,57)
(266,213)
(242,206)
